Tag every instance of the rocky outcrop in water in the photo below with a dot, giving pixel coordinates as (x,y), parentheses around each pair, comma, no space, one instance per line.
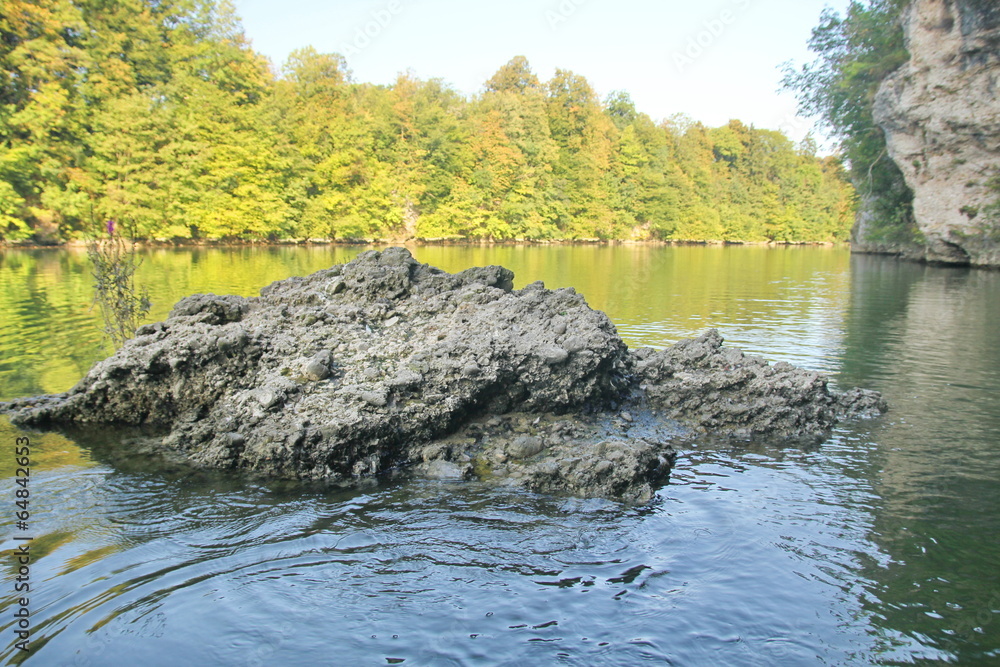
(384,361)
(941,116)
(722,390)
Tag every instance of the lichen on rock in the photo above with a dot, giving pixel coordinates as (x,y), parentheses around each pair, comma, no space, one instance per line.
(383,362)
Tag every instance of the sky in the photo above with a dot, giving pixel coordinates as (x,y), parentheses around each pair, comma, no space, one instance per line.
(712,60)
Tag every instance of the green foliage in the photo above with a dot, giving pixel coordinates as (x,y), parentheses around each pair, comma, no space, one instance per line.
(991,212)
(160,115)
(855,53)
(122,305)
(994,186)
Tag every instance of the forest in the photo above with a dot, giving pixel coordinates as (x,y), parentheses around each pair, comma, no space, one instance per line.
(159,115)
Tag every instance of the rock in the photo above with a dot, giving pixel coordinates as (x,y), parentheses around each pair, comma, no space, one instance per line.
(267,397)
(374,398)
(406,379)
(617,467)
(229,342)
(553,354)
(211,308)
(574,344)
(525,446)
(940,113)
(473,373)
(724,391)
(860,404)
(314,370)
(443,470)
(318,367)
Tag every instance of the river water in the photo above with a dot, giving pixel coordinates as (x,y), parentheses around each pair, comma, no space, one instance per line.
(879,546)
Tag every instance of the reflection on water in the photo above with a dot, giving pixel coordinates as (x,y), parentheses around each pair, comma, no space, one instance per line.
(879,546)
(930,338)
(51,330)
(437,573)
(787,303)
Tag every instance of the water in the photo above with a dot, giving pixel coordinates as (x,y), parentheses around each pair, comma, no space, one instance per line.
(879,546)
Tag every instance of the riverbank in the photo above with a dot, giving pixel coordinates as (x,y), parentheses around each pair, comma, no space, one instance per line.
(237,243)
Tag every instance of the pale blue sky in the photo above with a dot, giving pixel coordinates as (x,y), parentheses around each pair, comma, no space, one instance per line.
(710,59)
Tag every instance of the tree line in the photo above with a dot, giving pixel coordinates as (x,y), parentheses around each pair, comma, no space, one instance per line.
(159,115)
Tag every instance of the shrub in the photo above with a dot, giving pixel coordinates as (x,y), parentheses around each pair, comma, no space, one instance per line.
(114,263)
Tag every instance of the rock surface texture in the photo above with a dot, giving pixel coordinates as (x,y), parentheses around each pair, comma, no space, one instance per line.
(384,361)
(941,116)
(722,390)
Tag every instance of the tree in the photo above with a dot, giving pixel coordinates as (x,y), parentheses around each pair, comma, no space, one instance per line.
(585,136)
(855,53)
(41,114)
(620,107)
(514,77)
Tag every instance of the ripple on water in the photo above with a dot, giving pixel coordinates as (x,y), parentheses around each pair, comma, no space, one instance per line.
(435,573)
(872,547)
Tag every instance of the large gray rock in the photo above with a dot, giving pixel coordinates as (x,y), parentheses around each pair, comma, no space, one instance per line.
(336,374)
(367,366)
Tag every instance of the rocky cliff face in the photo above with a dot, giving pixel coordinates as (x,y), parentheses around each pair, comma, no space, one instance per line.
(941,115)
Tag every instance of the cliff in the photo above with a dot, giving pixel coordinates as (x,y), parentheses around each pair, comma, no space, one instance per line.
(941,117)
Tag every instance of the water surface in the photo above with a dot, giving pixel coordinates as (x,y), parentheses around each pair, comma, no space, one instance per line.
(879,546)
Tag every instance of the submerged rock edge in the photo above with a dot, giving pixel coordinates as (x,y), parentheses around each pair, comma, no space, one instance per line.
(383,362)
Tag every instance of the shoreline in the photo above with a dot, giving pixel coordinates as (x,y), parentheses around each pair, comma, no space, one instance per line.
(900,254)
(236,243)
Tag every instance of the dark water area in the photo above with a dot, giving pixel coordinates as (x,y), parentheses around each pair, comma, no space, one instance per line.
(879,546)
